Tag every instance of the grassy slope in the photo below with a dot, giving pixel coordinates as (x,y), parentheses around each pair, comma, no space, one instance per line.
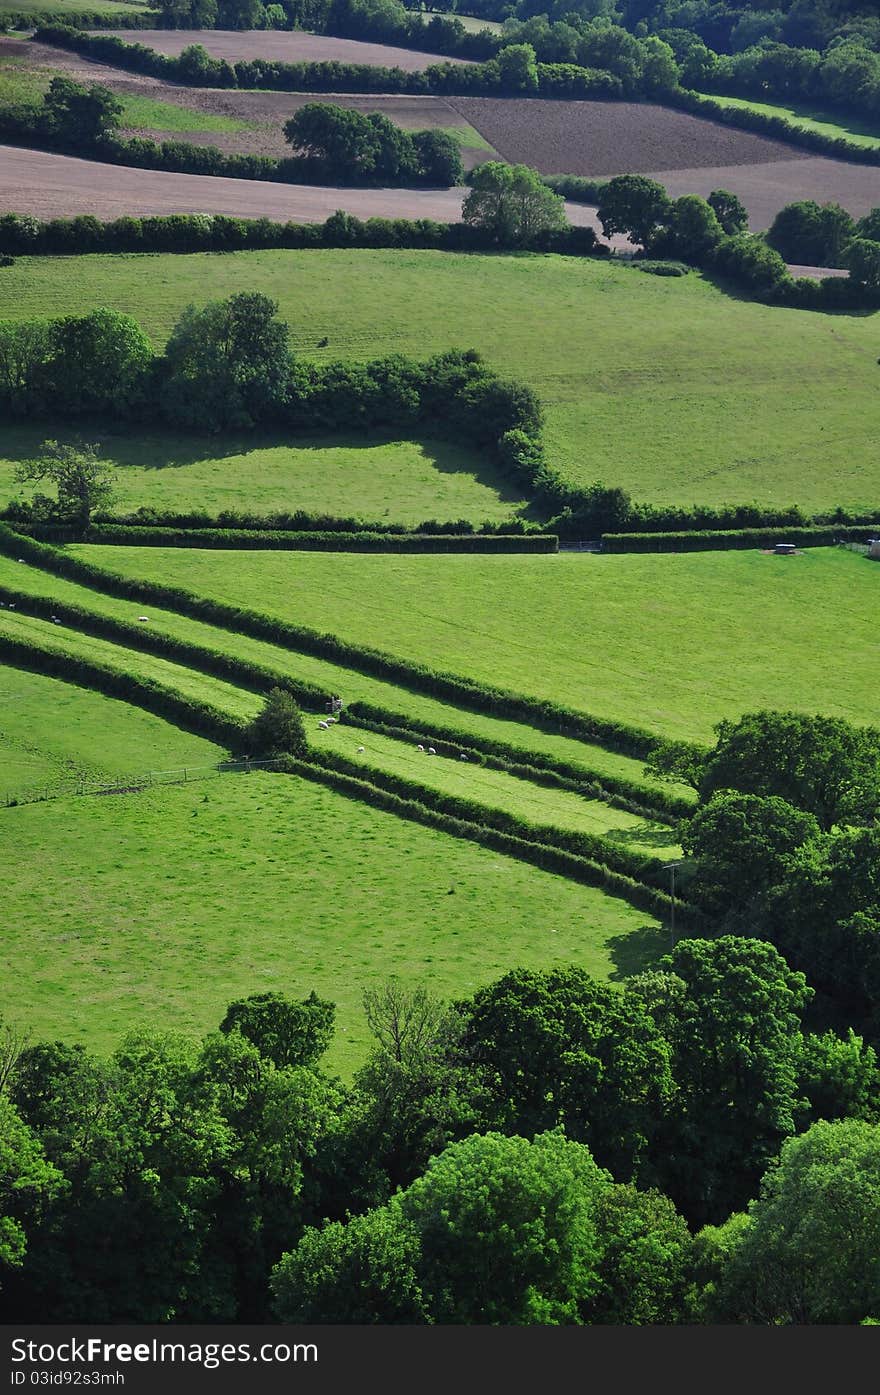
(160,908)
(538,805)
(668,387)
(61,639)
(55,734)
(381,481)
(330,677)
(811,119)
(70,7)
(671,642)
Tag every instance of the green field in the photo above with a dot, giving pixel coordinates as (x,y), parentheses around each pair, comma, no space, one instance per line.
(349,476)
(811,118)
(54,735)
(671,642)
(157,909)
(668,387)
(112,8)
(331,678)
(534,803)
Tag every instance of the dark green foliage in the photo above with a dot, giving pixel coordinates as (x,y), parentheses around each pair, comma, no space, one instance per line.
(277,730)
(81,116)
(285,1032)
(313,540)
(83,482)
(729,1010)
(730,211)
(28,1182)
(227,365)
(839,1078)
(693,230)
(747,260)
(645,1269)
(806,1251)
(635,206)
(711,540)
(560,1048)
(740,845)
(512,204)
(862,256)
(823,765)
(811,234)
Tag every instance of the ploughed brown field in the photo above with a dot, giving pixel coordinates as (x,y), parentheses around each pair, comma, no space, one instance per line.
(764,189)
(52,186)
(281,47)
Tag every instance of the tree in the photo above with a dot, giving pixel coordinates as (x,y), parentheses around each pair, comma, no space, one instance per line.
(278,728)
(518,68)
(288,1033)
(869,226)
(24,352)
(344,142)
(81,116)
(558,1047)
(512,204)
(740,844)
(27,1182)
(97,363)
(863,259)
(811,234)
(506,1230)
(645,1269)
(839,1078)
(693,230)
(807,1249)
(438,156)
(227,365)
(635,206)
(820,764)
(83,482)
(733,1038)
(747,260)
(730,211)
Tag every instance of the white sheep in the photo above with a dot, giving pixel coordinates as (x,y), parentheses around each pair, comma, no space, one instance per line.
(462,756)
(431,751)
(322,726)
(360,750)
(422,749)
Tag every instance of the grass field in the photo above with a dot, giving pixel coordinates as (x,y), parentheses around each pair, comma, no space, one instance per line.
(54,735)
(671,642)
(112,8)
(670,388)
(553,807)
(157,909)
(355,475)
(332,678)
(60,639)
(811,118)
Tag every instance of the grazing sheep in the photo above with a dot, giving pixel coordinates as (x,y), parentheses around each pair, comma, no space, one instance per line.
(360,750)
(462,756)
(322,726)
(143,617)
(431,751)
(422,749)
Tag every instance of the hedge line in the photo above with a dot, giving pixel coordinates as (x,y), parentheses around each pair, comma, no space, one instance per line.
(309,541)
(200,718)
(560,80)
(779,127)
(254,677)
(18,515)
(707,540)
(639,867)
(629,740)
(550,859)
(535,766)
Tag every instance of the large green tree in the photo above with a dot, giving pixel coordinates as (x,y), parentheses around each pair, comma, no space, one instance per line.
(288,1033)
(635,206)
(739,845)
(83,481)
(808,1249)
(558,1047)
(512,204)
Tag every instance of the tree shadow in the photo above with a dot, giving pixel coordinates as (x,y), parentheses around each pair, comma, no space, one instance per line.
(157,450)
(658,835)
(638,949)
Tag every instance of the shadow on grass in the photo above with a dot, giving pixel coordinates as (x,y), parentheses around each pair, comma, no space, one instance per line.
(166,450)
(658,835)
(637,950)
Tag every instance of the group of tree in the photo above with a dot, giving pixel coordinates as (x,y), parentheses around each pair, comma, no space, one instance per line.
(785,845)
(346,145)
(550,1150)
(813,234)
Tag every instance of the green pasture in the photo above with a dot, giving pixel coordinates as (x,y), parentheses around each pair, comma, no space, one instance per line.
(111,8)
(356,475)
(811,118)
(669,387)
(330,677)
(159,908)
(498,790)
(21,83)
(672,642)
(62,640)
(470,22)
(54,735)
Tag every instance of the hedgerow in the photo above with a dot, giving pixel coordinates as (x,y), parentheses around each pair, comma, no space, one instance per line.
(311,540)
(705,540)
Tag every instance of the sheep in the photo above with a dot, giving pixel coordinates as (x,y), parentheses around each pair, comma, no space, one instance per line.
(431,751)
(422,749)
(462,756)
(322,726)
(143,617)
(360,750)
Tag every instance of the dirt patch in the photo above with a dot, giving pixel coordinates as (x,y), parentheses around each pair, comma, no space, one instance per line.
(764,189)
(51,186)
(605,138)
(282,47)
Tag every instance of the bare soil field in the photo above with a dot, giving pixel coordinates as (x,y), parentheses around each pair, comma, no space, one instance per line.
(606,138)
(764,189)
(282,47)
(52,186)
